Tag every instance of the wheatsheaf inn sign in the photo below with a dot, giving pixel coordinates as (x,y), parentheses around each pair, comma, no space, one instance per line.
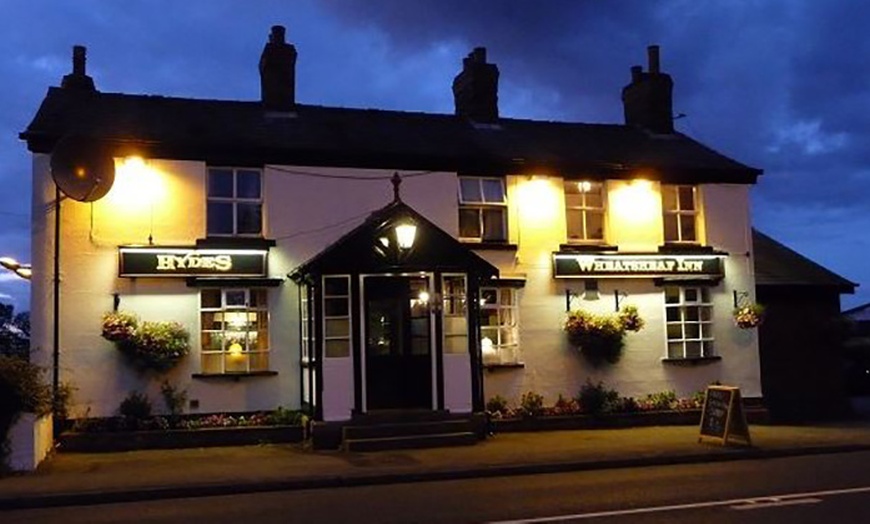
(188,262)
(625,266)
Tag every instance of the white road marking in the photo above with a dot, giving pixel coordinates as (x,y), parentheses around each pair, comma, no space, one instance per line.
(773,500)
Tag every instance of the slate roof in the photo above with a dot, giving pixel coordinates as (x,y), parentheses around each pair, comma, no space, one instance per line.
(778,265)
(221,131)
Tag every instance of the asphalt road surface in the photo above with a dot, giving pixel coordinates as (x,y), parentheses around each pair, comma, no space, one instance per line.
(829,489)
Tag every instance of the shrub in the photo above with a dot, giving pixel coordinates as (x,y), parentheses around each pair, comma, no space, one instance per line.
(173,398)
(565,406)
(497,404)
(531,404)
(156,346)
(286,417)
(595,398)
(136,406)
(661,401)
(22,388)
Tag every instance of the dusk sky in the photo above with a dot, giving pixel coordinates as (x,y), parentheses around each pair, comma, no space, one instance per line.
(781,85)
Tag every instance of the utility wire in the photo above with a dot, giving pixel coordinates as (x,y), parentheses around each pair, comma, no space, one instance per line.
(346,177)
(323,228)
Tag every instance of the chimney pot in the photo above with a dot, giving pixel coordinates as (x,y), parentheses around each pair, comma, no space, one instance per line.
(278,34)
(475,88)
(79,78)
(479,55)
(278,72)
(79,57)
(636,72)
(653,54)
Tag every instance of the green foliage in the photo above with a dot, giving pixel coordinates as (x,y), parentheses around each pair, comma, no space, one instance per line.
(286,417)
(600,338)
(154,346)
(748,316)
(61,402)
(136,406)
(22,388)
(497,404)
(630,319)
(661,401)
(531,404)
(595,398)
(173,398)
(14,332)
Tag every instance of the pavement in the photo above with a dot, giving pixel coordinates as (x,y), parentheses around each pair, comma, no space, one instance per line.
(66,479)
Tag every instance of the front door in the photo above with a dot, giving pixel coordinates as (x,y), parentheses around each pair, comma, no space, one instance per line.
(398,344)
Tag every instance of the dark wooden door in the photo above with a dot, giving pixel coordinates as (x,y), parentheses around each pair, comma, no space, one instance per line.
(398,343)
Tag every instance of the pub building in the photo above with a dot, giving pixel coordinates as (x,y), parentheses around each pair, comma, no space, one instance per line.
(379,265)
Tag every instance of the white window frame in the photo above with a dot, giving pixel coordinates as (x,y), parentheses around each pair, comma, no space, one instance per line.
(680,215)
(505,352)
(336,318)
(690,316)
(235,201)
(585,209)
(455,314)
(482,206)
(224,353)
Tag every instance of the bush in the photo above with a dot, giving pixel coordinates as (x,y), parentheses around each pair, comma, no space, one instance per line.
(565,406)
(173,398)
(531,404)
(286,417)
(497,404)
(22,388)
(136,406)
(156,346)
(595,398)
(661,401)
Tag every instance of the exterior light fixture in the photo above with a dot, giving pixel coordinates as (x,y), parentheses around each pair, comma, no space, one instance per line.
(405,234)
(22,270)
(585,186)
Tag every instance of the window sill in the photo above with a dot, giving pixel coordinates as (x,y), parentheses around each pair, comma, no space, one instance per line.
(238,242)
(693,361)
(233,376)
(586,248)
(491,246)
(688,248)
(505,365)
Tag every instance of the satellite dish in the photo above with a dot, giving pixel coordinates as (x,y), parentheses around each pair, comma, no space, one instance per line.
(82,169)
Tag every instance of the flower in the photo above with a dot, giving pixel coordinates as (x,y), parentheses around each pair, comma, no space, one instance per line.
(119,326)
(156,346)
(749,316)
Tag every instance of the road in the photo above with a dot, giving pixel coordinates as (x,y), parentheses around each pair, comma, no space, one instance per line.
(822,488)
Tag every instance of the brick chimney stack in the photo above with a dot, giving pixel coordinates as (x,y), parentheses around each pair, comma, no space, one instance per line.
(648,99)
(78,79)
(475,89)
(278,72)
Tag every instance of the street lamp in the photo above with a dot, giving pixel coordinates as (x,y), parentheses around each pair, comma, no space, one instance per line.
(22,270)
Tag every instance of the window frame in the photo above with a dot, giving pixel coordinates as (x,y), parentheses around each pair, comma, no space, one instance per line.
(234,200)
(705,339)
(327,338)
(585,210)
(481,207)
(680,215)
(506,352)
(224,353)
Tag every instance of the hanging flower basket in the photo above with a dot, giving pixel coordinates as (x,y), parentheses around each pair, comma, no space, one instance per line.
(600,338)
(150,346)
(749,316)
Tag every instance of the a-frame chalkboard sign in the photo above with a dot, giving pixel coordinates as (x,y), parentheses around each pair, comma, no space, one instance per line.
(722,419)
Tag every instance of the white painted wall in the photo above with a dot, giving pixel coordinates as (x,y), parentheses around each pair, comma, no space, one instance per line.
(30,441)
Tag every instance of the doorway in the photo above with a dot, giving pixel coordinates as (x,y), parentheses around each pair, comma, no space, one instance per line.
(398,342)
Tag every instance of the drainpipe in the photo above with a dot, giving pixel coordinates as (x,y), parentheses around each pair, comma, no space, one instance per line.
(55,377)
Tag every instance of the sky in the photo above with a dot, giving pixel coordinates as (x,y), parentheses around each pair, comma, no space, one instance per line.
(780,85)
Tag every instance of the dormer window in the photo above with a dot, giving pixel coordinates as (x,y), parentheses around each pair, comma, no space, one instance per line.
(234,202)
(680,208)
(482,209)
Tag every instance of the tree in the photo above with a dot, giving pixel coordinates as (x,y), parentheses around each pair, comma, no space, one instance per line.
(14,332)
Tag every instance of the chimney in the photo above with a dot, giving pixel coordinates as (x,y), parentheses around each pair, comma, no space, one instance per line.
(78,79)
(475,89)
(278,72)
(648,99)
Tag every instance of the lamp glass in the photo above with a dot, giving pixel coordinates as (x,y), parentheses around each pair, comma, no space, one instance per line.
(405,234)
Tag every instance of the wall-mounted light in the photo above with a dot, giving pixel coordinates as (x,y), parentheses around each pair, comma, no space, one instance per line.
(22,270)
(405,235)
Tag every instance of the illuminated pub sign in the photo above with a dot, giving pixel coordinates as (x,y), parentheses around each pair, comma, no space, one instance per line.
(570,265)
(191,262)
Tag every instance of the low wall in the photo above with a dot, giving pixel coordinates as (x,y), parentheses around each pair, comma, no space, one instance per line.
(30,440)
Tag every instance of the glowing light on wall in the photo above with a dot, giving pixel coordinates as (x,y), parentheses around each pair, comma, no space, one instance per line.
(636,202)
(538,201)
(137,186)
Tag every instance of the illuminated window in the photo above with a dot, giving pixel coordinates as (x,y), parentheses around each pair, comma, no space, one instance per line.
(584,210)
(336,316)
(689,322)
(679,204)
(499,326)
(482,209)
(235,330)
(235,202)
(455,312)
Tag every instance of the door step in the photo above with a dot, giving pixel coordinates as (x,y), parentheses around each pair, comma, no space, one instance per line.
(438,440)
(381,433)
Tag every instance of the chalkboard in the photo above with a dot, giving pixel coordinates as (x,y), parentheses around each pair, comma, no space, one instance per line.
(722,418)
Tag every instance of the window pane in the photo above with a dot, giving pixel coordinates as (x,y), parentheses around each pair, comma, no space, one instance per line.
(693,331)
(212,341)
(337,327)
(675,350)
(258,298)
(493,191)
(336,286)
(210,298)
(469,223)
(247,184)
(675,332)
(687,198)
(594,225)
(456,344)
(507,297)
(673,314)
(708,348)
(220,183)
(335,307)
(594,197)
(693,349)
(488,296)
(250,218)
(235,297)
(337,348)
(572,189)
(692,314)
(671,234)
(211,363)
(687,228)
(669,200)
(220,218)
(574,220)
(469,190)
(705,295)
(672,295)
(494,225)
(212,321)
(235,363)
(691,294)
